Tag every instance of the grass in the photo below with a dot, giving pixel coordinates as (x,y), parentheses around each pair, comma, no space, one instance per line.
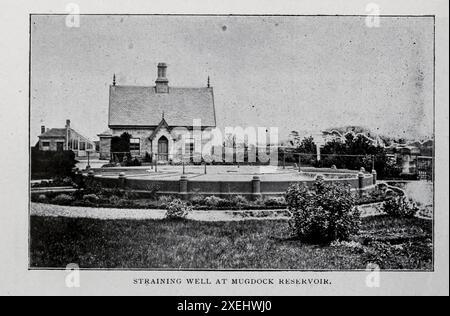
(151,244)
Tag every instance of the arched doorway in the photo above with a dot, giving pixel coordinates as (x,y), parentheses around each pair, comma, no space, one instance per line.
(163,149)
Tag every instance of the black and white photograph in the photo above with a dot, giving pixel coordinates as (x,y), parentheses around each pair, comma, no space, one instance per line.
(233,143)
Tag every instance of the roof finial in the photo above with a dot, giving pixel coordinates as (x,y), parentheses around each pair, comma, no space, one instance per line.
(114,80)
(209,82)
(163,115)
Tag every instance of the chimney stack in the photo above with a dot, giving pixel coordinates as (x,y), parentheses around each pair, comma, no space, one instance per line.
(67,123)
(162,83)
(43,130)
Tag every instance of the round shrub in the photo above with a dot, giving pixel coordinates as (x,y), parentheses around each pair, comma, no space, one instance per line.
(400,207)
(63,199)
(114,200)
(177,209)
(239,201)
(42,198)
(123,203)
(214,201)
(259,202)
(322,214)
(91,198)
(198,200)
(165,200)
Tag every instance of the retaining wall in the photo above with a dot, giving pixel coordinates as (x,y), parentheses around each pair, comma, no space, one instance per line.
(255,188)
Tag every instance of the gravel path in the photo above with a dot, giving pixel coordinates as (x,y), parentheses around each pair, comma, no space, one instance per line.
(39,209)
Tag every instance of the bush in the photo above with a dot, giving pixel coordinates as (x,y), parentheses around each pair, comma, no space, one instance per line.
(63,199)
(198,200)
(147,158)
(133,162)
(323,214)
(258,202)
(123,203)
(91,198)
(400,207)
(379,253)
(275,202)
(164,200)
(114,200)
(412,255)
(57,182)
(177,209)
(214,201)
(42,198)
(238,201)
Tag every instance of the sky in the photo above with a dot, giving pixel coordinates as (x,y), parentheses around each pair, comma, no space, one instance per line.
(295,73)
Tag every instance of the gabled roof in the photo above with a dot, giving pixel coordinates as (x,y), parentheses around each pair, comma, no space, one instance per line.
(161,125)
(143,107)
(54,132)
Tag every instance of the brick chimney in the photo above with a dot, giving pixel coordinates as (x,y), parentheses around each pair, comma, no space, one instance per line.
(67,123)
(43,130)
(162,83)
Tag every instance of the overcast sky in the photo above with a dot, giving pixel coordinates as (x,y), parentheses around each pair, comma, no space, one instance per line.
(295,73)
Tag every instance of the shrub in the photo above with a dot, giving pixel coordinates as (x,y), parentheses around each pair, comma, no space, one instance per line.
(259,202)
(63,199)
(198,200)
(177,209)
(238,201)
(214,201)
(354,246)
(275,202)
(400,207)
(133,162)
(322,214)
(164,200)
(147,157)
(91,198)
(123,203)
(42,198)
(379,253)
(412,254)
(114,200)
(131,195)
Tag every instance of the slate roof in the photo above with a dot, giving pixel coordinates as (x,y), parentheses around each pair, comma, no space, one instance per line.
(54,132)
(142,106)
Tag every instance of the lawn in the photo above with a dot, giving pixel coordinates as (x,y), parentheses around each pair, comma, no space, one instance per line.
(156,244)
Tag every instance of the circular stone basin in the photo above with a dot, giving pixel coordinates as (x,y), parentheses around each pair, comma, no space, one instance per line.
(249,181)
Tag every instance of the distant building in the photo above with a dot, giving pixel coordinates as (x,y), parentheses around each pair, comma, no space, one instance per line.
(59,139)
(408,157)
(150,114)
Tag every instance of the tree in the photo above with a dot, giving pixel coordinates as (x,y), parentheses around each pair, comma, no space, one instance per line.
(120,146)
(294,139)
(307,146)
(357,152)
(51,164)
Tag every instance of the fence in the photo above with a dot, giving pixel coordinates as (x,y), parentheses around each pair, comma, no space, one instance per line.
(387,166)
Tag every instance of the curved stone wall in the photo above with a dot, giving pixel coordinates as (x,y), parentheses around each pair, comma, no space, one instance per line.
(186,188)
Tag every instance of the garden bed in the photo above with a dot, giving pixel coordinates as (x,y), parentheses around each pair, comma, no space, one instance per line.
(118,198)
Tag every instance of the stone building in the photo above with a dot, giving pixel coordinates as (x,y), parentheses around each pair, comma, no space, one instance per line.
(153,114)
(66,138)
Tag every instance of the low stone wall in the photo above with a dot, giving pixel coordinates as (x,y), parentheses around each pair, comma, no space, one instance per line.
(185,188)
